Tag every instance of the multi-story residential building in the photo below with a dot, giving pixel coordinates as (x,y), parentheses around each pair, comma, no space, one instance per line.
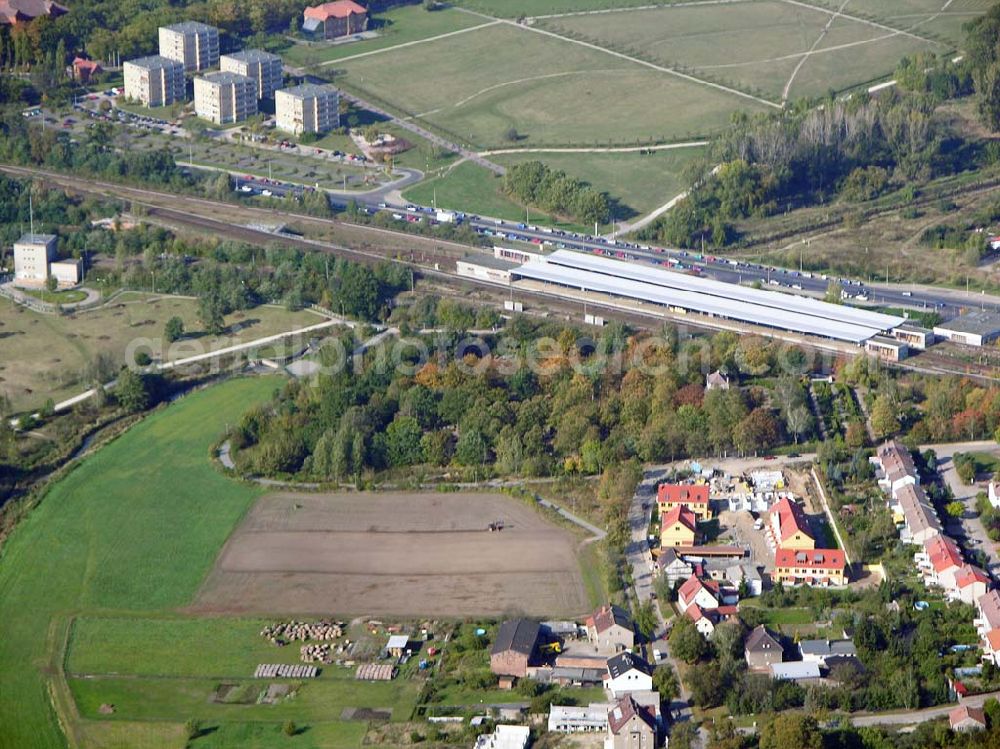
(308,108)
(155,81)
(790,527)
(263,67)
(821,567)
(195,45)
(894,466)
(692,496)
(678,528)
(631,725)
(223,98)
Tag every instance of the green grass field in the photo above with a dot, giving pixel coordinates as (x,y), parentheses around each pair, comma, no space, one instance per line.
(750,46)
(470,188)
(640,182)
(64,296)
(518,8)
(923,17)
(134,528)
(41,355)
(552,92)
(177,699)
(401,25)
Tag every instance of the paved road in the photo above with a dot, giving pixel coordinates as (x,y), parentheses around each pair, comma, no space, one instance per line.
(912,717)
(972,526)
(638,555)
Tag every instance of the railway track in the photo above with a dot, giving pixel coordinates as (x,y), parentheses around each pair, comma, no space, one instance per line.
(430,259)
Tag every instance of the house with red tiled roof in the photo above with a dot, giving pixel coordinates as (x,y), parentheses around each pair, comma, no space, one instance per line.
(84,70)
(610,627)
(821,567)
(971,584)
(705,593)
(964,719)
(706,620)
(679,527)
(631,725)
(789,526)
(335,19)
(941,561)
(13,12)
(692,496)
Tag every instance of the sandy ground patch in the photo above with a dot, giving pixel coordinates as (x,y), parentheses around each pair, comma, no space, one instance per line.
(401,554)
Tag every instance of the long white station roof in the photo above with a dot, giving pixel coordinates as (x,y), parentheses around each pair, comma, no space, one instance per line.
(758,306)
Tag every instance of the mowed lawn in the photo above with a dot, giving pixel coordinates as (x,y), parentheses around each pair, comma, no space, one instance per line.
(752,46)
(169,646)
(923,17)
(469,188)
(551,92)
(133,528)
(396,26)
(519,8)
(40,355)
(639,182)
(178,699)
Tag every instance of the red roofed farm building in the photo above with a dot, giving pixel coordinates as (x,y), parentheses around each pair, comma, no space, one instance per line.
(335,19)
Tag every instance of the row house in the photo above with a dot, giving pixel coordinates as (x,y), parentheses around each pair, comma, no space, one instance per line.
(819,567)
(894,466)
(920,521)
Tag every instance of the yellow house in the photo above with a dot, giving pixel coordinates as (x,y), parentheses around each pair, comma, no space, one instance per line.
(677,528)
(692,496)
(790,526)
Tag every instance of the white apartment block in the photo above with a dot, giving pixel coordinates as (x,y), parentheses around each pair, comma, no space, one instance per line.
(32,254)
(223,98)
(154,81)
(308,108)
(194,45)
(263,67)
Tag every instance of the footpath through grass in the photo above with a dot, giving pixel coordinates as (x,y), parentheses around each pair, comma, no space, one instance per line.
(135,527)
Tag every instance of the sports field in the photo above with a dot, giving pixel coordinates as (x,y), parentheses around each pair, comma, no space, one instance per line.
(414,554)
(753,46)
(41,356)
(550,91)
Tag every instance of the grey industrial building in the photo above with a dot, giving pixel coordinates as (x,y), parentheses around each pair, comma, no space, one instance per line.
(973,328)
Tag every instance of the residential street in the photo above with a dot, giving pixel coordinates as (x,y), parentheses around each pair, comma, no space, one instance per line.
(638,555)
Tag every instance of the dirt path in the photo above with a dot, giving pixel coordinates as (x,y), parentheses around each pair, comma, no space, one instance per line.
(609,149)
(407,44)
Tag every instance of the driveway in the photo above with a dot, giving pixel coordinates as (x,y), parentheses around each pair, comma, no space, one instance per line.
(972,527)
